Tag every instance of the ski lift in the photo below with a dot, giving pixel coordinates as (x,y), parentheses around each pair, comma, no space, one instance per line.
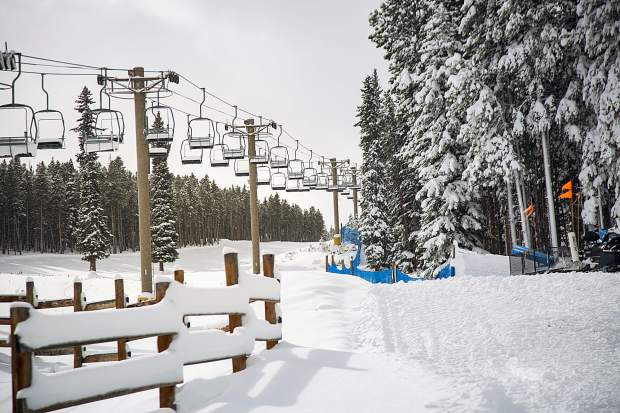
(50,125)
(200,130)
(347,178)
(296,185)
(261,147)
(159,123)
(242,167)
(189,155)
(310,174)
(278,181)
(159,149)
(235,148)
(322,178)
(216,155)
(18,120)
(109,125)
(345,191)
(278,155)
(296,166)
(263,175)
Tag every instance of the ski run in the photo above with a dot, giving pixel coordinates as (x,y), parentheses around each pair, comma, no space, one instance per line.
(545,343)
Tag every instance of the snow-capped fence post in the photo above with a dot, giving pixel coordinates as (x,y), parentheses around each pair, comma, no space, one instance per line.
(119,302)
(21,362)
(30,294)
(270,307)
(231,266)
(179,276)
(77,306)
(166,393)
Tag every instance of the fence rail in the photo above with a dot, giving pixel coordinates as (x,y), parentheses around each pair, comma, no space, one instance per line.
(34,330)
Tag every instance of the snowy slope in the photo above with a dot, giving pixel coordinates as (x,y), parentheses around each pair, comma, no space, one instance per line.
(547,343)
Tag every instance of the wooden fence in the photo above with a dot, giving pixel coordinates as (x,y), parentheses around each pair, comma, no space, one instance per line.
(34,331)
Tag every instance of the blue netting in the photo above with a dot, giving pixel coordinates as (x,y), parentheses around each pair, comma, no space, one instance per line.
(446,272)
(383,276)
(539,257)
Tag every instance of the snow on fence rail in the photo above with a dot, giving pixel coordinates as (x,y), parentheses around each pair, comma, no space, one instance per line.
(33,330)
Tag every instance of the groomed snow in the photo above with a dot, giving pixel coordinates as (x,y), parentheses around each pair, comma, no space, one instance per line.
(548,343)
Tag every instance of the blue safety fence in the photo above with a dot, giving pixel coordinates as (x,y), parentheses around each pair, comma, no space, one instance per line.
(537,256)
(383,276)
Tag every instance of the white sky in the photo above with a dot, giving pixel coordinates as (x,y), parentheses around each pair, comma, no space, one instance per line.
(298,62)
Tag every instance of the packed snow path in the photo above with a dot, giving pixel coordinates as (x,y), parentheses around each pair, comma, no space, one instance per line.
(497,344)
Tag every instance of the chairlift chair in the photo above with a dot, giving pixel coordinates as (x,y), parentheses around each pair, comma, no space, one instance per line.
(216,155)
(347,178)
(50,125)
(322,181)
(159,133)
(333,186)
(296,185)
(345,191)
(201,130)
(159,149)
(350,196)
(296,166)
(261,152)
(263,175)
(17,139)
(278,181)
(310,174)
(278,155)
(189,155)
(234,141)
(109,127)
(242,167)
(18,142)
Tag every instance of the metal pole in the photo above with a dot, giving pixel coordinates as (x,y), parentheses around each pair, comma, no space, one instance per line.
(600,208)
(335,195)
(354,169)
(550,202)
(511,211)
(143,167)
(254,225)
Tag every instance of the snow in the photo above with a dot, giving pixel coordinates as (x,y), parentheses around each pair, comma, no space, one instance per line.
(473,264)
(75,384)
(260,287)
(546,343)
(44,329)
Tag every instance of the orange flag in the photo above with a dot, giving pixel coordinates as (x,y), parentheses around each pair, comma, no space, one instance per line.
(567,190)
(529,210)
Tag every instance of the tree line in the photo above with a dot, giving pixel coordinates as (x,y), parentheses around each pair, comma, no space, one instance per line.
(40,209)
(476,89)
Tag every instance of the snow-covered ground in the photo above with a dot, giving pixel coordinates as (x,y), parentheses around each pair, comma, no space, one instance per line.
(548,343)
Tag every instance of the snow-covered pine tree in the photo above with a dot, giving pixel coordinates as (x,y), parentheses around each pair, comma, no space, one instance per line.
(93,236)
(598,31)
(163,231)
(374,226)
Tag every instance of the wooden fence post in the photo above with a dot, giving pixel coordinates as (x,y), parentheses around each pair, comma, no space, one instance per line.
(393,273)
(326,263)
(352,267)
(234,320)
(333,262)
(77,306)
(270,308)
(21,361)
(166,393)
(179,276)
(30,292)
(119,302)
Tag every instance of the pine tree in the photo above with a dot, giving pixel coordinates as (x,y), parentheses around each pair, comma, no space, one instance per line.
(163,231)
(93,235)
(374,222)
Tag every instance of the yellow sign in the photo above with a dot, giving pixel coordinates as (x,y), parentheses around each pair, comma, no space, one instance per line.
(529,210)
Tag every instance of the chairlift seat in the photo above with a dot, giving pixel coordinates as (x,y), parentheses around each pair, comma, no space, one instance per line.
(295,169)
(234,153)
(242,167)
(278,181)
(216,156)
(263,175)
(158,135)
(191,160)
(94,144)
(49,139)
(278,157)
(158,151)
(205,142)
(189,155)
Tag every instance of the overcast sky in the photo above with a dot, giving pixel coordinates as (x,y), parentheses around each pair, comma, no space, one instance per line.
(298,62)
